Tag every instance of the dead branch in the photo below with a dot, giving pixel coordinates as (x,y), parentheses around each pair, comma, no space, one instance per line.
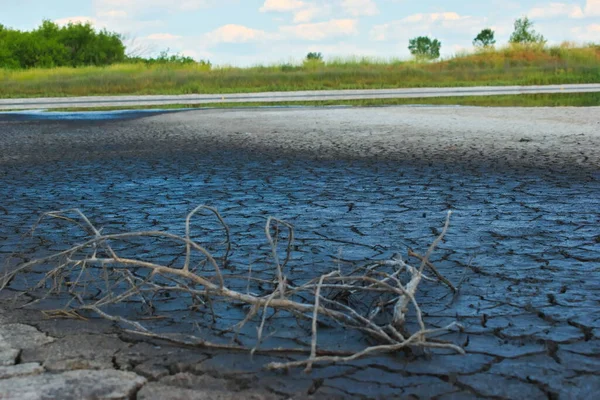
(92,277)
(433,269)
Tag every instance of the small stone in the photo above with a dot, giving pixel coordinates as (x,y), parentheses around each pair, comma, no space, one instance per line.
(8,356)
(20,370)
(21,336)
(73,385)
(72,352)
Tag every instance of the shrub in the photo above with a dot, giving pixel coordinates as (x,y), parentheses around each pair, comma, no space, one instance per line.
(51,45)
(485,39)
(525,34)
(313,56)
(423,47)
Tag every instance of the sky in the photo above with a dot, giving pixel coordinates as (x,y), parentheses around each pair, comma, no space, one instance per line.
(250,32)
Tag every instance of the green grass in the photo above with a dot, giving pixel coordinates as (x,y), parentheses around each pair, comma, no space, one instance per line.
(525,100)
(505,66)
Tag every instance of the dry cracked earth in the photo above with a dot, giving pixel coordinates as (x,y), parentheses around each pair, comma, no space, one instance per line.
(358,185)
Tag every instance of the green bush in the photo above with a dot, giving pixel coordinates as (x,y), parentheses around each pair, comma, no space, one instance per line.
(485,39)
(525,34)
(314,56)
(424,48)
(164,58)
(51,45)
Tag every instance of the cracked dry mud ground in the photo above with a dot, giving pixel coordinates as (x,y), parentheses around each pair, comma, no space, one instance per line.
(357,184)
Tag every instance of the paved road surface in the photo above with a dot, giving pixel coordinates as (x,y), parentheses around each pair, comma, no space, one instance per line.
(117,101)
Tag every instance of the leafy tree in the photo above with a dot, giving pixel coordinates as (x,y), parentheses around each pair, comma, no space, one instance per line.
(5,54)
(314,56)
(74,45)
(52,51)
(423,47)
(525,34)
(88,47)
(485,38)
(51,45)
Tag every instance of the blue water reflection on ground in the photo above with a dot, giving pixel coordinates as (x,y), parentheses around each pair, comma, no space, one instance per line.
(43,115)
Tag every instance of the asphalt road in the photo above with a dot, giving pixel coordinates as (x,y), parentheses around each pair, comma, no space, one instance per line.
(117,101)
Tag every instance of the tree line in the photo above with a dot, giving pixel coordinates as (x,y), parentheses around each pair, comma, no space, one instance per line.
(51,45)
(75,45)
(426,48)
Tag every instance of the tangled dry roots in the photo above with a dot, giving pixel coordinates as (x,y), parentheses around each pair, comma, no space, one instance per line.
(92,277)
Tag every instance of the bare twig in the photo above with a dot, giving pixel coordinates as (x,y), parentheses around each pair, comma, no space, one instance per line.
(373,299)
(313,347)
(433,269)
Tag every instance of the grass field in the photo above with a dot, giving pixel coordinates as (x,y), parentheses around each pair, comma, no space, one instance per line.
(505,66)
(525,100)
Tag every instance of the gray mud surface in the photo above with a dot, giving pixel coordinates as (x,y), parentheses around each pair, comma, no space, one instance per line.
(357,184)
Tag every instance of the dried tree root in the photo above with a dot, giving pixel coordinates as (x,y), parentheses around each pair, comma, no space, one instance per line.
(94,277)
(433,269)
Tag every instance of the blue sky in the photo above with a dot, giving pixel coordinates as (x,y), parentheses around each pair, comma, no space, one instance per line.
(247,32)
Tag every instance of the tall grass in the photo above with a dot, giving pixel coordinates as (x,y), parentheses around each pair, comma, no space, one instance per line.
(512,65)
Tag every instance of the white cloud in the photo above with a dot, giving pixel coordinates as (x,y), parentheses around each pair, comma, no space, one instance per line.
(239,34)
(322,30)
(589,33)
(302,11)
(570,10)
(553,10)
(438,24)
(112,14)
(120,25)
(234,34)
(311,12)
(121,15)
(281,5)
(592,8)
(433,17)
(197,54)
(163,36)
(132,7)
(358,8)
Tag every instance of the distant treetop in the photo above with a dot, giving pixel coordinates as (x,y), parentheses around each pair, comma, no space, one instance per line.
(314,56)
(485,38)
(424,48)
(525,34)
